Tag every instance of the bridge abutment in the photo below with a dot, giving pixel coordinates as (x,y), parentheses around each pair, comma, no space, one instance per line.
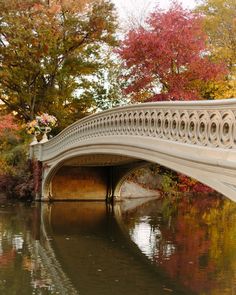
(80,183)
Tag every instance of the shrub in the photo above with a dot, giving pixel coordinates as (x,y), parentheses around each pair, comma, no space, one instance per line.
(16,179)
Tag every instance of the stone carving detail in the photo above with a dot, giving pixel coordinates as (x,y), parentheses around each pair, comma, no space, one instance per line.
(210,123)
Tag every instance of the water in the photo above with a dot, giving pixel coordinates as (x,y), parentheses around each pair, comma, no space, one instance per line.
(191,239)
(184,245)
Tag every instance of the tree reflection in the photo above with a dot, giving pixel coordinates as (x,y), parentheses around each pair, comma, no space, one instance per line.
(192,238)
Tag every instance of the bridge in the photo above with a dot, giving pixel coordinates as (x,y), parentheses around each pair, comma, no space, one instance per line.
(91,158)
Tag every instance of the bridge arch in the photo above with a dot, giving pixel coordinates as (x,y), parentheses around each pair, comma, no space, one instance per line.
(197,139)
(203,171)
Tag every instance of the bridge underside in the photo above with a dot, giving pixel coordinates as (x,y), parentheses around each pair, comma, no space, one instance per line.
(93,177)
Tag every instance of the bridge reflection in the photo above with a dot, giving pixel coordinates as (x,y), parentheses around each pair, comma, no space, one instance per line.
(95,253)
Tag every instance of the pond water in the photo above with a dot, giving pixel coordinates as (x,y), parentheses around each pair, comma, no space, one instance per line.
(178,245)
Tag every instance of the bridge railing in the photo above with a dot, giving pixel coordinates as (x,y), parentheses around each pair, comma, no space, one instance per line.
(202,123)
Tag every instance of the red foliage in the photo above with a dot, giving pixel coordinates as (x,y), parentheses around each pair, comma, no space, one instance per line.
(17,187)
(190,261)
(169,54)
(187,184)
(7,123)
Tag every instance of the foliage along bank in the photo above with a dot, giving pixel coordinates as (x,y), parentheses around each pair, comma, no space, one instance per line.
(59,59)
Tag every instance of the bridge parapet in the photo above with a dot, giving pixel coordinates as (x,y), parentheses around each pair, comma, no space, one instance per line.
(200,123)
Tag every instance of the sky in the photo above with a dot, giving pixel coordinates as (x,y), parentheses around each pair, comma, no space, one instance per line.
(139,9)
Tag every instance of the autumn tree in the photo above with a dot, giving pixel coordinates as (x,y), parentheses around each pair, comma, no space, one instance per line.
(49,50)
(220,26)
(167,58)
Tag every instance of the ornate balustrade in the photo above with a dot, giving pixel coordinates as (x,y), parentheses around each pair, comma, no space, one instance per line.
(201,123)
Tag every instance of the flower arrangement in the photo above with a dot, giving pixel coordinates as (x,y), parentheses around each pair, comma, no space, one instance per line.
(33,127)
(46,120)
(40,123)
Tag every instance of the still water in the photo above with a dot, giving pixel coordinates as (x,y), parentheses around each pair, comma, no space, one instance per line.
(178,245)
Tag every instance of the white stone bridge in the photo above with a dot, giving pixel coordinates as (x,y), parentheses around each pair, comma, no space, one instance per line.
(90,158)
